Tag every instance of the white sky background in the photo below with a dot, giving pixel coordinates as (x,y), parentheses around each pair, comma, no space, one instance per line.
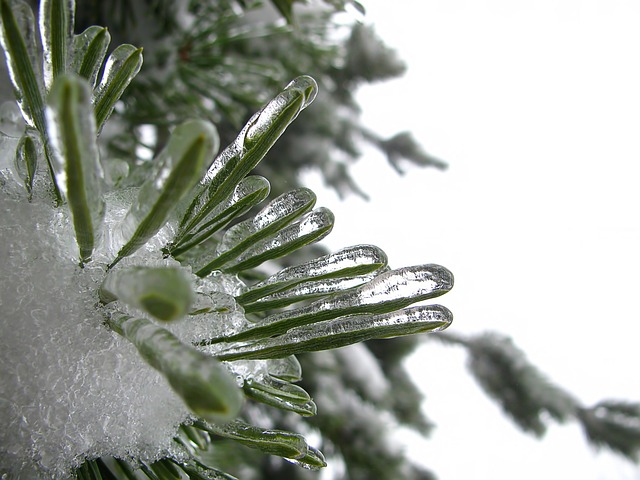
(535,105)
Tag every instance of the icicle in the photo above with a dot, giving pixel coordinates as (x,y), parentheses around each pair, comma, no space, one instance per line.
(251,145)
(311,228)
(385,293)
(340,332)
(165,293)
(56,30)
(351,261)
(77,167)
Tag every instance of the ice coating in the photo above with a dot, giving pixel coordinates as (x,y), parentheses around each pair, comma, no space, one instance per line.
(90,49)
(228,157)
(121,67)
(273,442)
(75,159)
(287,368)
(249,192)
(242,236)
(295,97)
(386,292)
(28,151)
(56,31)
(269,382)
(250,146)
(313,227)
(164,293)
(203,383)
(350,261)
(280,210)
(307,291)
(113,65)
(343,331)
(180,166)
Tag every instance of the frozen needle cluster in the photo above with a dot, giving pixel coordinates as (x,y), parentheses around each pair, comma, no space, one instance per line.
(134,330)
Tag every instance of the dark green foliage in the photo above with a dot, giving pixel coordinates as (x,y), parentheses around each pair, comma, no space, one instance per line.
(221,65)
(524,393)
(615,425)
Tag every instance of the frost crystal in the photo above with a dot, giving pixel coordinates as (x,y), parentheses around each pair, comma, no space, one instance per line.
(70,387)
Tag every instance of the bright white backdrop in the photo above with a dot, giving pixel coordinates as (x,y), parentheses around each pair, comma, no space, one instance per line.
(536,108)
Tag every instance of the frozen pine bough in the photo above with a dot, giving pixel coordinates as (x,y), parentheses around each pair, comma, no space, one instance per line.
(137,327)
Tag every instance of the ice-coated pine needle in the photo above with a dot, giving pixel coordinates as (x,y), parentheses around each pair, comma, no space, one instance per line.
(279,388)
(76,160)
(22,49)
(121,67)
(348,262)
(305,409)
(203,383)
(56,30)
(27,153)
(307,291)
(387,292)
(313,460)
(21,44)
(279,212)
(180,166)
(273,442)
(163,292)
(280,394)
(250,191)
(311,228)
(251,145)
(90,50)
(344,331)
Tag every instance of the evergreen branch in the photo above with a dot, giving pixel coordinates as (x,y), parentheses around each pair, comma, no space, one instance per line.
(615,425)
